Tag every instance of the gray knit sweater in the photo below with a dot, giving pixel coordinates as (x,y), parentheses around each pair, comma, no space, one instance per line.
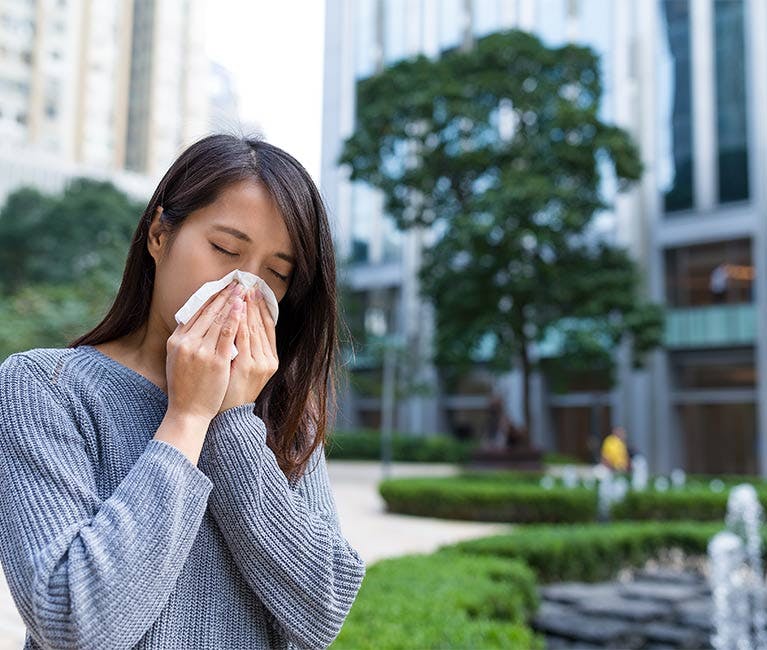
(111,539)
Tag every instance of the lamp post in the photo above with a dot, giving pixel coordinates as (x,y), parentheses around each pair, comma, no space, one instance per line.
(377,328)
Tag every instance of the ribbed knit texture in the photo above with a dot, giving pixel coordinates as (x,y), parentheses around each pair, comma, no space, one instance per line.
(111,539)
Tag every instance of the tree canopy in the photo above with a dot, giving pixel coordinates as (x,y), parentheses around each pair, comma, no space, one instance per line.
(501,149)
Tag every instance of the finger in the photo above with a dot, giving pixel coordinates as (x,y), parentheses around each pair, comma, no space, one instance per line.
(210,322)
(202,318)
(188,325)
(266,317)
(242,340)
(256,350)
(265,345)
(224,327)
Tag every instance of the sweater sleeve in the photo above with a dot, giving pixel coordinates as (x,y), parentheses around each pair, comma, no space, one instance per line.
(86,572)
(286,541)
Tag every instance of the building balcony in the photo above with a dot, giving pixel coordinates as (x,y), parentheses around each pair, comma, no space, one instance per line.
(711,326)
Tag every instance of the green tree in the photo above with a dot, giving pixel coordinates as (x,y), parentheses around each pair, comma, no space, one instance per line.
(61,260)
(65,238)
(501,148)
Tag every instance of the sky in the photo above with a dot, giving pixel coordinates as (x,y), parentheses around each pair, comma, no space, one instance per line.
(274,50)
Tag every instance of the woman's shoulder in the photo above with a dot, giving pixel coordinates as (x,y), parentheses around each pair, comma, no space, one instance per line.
(44,364)
(43,374)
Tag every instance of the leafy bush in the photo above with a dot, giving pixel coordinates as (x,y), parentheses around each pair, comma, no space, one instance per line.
(518,497)
(555,458)
(693,503)
(366,445)
(589,552)
(439,601)
(482,499)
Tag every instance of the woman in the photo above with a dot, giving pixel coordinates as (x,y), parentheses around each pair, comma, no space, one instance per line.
(155,494)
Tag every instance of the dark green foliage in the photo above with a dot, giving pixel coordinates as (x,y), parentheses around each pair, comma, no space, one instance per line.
(590,552)
(65,239)
(518,497)
(366,445)
(513,207)
(442,601)
(487,500)
(699,504)
(61,261)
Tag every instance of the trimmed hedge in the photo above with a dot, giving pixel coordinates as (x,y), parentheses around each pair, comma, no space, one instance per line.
(589,552)
(555,458)
(424,601)
(694,503)
(516,497)
(366,445)
(487,500)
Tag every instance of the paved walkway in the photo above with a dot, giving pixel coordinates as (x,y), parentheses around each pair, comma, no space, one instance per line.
(377,534)
(374,533)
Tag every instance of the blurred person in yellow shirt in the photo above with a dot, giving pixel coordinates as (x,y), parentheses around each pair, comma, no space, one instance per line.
(615,454)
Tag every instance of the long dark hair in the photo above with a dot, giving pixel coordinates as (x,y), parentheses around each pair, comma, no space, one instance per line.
(296,402)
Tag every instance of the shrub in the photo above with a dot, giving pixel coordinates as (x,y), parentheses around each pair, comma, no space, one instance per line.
(518,497)
(693,503)
(487,500)
(555,458)
(589,552)
(366,445)
(443,601)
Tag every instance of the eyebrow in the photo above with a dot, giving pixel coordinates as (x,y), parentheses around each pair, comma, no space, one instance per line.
(241,235)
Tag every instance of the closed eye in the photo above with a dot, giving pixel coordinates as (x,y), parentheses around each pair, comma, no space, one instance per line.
(284,278)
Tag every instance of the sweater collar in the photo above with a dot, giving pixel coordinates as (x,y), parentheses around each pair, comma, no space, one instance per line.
(126,372)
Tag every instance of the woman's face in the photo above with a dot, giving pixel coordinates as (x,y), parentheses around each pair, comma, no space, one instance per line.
(242,229)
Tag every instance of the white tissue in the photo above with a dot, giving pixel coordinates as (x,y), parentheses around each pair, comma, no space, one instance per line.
(199,297)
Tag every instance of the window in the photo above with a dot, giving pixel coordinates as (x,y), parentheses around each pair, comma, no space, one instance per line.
(707,274)
(392,243)
(713,369)
(731,128)
(675,95)
(362,218)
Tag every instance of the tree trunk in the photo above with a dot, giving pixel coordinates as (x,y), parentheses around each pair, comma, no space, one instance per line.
(527,426)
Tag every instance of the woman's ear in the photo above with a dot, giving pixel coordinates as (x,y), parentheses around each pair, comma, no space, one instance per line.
(156,235)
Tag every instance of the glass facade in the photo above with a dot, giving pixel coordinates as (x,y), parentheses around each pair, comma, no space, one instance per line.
(707,274)
(392,241)
(731,128)
(717,436)
(704,369)
(363,213)
(676,108)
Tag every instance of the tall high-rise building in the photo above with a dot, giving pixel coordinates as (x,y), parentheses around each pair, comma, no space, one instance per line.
(119,87)
(686,79)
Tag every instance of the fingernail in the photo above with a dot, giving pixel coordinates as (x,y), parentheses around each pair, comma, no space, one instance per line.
(239,289)
(258,295)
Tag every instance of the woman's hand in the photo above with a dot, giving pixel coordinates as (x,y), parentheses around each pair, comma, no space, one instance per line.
(256,361)
(198,362)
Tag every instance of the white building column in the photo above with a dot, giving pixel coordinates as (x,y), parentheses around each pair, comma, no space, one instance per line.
(756,97)
(704,104)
